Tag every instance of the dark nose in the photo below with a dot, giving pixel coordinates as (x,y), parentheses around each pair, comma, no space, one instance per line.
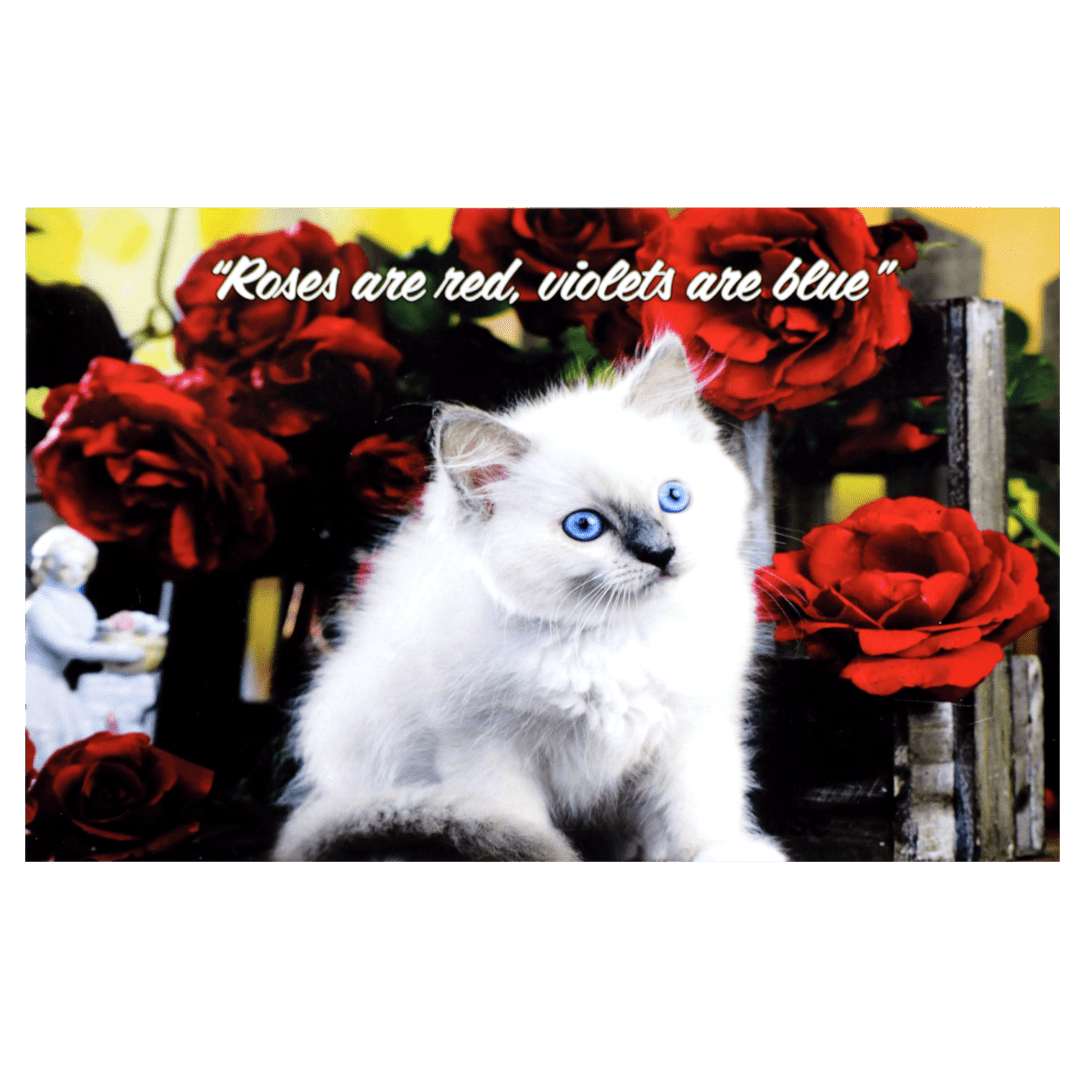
(646,539)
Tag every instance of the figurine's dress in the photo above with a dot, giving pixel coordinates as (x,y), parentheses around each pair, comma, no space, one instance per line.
(60,627)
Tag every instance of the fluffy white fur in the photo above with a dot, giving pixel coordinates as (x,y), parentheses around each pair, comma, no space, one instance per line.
(501,681)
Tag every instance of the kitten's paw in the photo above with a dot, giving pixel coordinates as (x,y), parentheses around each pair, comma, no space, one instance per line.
(747,848)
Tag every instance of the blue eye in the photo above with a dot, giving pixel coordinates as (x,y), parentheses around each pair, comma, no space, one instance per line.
(673,497)
(583,525)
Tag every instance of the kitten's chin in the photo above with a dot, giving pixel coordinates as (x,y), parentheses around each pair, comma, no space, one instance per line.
(626,599)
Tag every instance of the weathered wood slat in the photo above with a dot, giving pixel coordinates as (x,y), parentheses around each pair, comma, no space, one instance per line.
(995,826)
(924,780)
(760,542)
(975,333)
(984,399)
(1027,755)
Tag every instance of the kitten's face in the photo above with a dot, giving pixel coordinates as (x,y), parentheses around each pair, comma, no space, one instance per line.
(607,508)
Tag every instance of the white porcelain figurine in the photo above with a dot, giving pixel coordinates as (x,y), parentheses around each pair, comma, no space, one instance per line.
(61,626)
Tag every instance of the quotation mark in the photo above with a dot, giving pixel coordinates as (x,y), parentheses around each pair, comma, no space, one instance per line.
(888,266)
(223,266)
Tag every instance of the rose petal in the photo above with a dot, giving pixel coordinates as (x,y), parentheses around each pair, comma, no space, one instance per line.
(816,366)
(804,320)
(347,335)
(1006,601)
(101,780)
(871,414)
(961,524)
(876,591)
(119,468)
(935,643)
(889,642)
(883,514)
(730,338)
(182,538)
(1036,613)
(901,548)
(833,609)
(941,591)
(785,578)
(959,668)
(934,601)
(985,587)
(103,440)
(1021,563)
(154,479)
(739,242)
(836,554)
(948,553)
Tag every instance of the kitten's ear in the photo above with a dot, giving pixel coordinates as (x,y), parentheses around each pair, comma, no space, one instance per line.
(664,384)
(475,449)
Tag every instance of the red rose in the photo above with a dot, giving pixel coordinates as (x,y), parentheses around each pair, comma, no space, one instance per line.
(113,796)
(555,240)
(897,240)
(136,456)
(385,476)
(904,593)
(275,344)
(878,430)
(767,352)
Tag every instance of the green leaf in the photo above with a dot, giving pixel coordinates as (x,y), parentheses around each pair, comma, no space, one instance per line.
(1031,378)
(587,362)
(1016,334)
(576,340)
(1040,534)
(416,316)
(929,419)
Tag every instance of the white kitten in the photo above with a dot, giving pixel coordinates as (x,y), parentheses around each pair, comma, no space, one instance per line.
(560,637)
